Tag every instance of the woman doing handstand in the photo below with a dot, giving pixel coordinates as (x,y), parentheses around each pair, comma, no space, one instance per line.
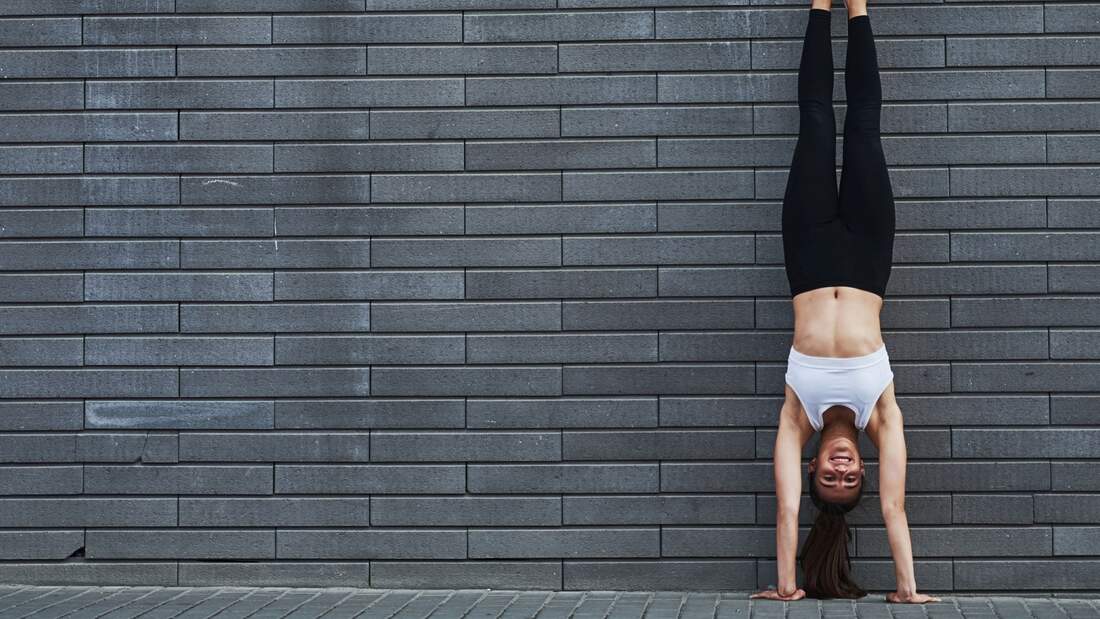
(838,249)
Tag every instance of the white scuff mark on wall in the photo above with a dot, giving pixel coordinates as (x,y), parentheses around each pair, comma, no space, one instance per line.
(275,223)
(221,180)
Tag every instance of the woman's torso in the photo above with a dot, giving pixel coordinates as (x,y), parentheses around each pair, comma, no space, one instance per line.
(837,321)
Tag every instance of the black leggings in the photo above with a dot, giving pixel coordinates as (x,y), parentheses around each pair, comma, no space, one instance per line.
(845,240)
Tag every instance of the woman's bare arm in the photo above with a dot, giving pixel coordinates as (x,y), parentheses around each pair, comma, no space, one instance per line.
(788,493)
(891,475)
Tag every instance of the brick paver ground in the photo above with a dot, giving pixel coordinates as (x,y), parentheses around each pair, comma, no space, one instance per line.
(44,601)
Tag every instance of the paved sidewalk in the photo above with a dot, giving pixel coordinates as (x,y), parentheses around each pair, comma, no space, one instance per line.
(44,601)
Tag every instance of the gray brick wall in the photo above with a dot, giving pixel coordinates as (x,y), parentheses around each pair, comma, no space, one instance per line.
(490,293)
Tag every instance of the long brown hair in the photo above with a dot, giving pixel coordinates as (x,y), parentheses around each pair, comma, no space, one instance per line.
(826,567)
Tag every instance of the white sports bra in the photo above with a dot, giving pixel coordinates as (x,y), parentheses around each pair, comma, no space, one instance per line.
(854,382)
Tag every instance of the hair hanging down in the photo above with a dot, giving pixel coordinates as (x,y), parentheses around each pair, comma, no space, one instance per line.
(826,567)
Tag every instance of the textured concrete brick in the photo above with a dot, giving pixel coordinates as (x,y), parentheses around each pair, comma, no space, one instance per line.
(1028,575)
(182,543)
(665,120)
(340,221)
(179,479)
(565,348)
(88,318)
(663,249)
(175,222)
(561,90)
(40,288)
(430,28)
(332,92)
(995,509)
(366,350)
(466,511)
(1072,82)
(39,222)
(562,478)
(1074,278)
(1071,18)
(960,541)
(277,317)
(272,573)
(1023,51)
(178,286)
(1030,443)
(283,125)
(178,415)
(658,444)
(1072,409)
(659,509)
(189,158)
(461,59)
(373,413)
(371,544)
(177,30)
(45,351)
(278,6)
(368,285)
(38,95)
(270,447)
(274,512)
(274,382)
(52,7)
(88,190)
(88,512)
(89,383)
(580,412)
(89,63)
(549,154)
(1024,116)
(465,446)
(467,316)
(548,283)
(656,314)
(1067,508)
(179,93)
(570,542)
(369,479)
(557,26)
(1024,376)
(228,61)
(709,56)
(43,545)
(473,380)
(51,255)
(90,127)
(40,31)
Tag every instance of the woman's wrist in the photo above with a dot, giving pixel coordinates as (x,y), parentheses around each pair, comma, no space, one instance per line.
(907,589)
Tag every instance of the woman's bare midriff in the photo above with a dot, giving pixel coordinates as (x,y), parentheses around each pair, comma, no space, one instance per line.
(837,321)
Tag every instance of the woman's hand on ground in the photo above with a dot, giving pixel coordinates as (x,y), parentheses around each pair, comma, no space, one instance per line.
(773,594)
(912,598)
